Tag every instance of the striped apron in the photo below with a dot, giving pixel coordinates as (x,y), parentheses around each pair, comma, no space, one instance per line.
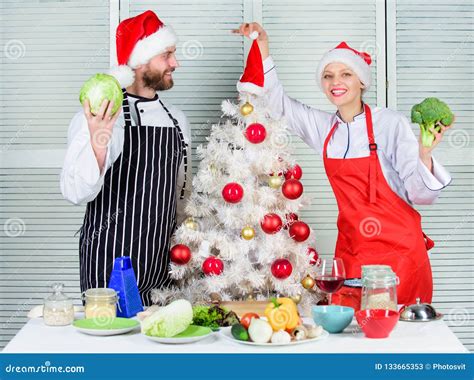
(135,212)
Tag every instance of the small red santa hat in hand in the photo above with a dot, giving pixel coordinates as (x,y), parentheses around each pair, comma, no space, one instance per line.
(357,61)
(252,79)
(138,40)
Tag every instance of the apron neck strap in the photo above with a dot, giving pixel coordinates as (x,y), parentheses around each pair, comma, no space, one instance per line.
(373,155)
(184,145)
(370,129)
(126,109)
(326,142)
(175,122)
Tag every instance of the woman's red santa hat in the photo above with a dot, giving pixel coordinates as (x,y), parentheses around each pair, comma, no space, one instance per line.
(252,79)
(138,40)
(357,61)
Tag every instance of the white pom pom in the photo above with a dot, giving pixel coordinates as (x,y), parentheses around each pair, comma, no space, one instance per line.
(204,249)
(254,35)
(124,74)
(228,108)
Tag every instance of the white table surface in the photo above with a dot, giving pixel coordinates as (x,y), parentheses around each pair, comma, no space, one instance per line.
(407,337)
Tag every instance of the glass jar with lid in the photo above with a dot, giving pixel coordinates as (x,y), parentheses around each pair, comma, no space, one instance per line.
(100,303)
(58,309)
(379,291)
(380,269)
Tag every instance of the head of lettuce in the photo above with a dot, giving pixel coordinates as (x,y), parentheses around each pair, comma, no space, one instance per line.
(99,88)
(169,320)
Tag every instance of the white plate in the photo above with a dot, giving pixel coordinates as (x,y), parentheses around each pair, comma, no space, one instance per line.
(106,332)
(179,340)
(226,334)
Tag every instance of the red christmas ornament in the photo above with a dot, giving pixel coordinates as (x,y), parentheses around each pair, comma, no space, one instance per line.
(232,192)
(299,231)
(180,254)
(282,268)
(279,174)
(313,255)
(292,189)
(255,133)
(290,219)
(271,223)
(212,266)
(294,172)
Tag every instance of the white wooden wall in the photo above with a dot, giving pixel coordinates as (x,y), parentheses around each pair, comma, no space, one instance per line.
(431,54)
(48,49)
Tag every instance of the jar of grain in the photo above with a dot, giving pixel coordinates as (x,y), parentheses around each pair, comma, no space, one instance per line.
(58,309)
(379,291)
(100,304)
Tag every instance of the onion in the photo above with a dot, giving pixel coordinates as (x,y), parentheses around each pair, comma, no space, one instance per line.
(260,331)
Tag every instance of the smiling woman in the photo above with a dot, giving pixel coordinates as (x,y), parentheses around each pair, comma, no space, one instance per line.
(343,88)
(381,174)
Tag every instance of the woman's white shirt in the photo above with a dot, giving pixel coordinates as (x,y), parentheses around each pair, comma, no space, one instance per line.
(397,146)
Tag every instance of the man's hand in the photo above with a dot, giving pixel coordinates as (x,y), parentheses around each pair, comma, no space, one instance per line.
(249,28)
(100,128)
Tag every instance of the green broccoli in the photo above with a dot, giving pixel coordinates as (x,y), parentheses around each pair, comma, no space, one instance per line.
(428,114)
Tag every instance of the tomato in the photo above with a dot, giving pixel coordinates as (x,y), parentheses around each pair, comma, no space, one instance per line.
(247,318)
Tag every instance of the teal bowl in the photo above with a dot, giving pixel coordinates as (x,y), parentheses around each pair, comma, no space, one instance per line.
(333,318)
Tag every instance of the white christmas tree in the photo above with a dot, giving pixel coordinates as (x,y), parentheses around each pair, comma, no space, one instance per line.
(243,238)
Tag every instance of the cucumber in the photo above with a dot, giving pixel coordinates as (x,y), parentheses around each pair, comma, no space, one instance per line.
(239,332)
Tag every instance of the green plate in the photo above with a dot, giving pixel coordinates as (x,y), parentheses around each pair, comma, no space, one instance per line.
(193,331)
(98,327)
(191,334)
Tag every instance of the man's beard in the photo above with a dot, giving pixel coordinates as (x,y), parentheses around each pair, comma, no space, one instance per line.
(157,81)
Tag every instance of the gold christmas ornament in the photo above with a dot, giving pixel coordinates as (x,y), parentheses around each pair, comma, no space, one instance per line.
(296,299)
(275,181)
(247,233)
(213,169)
(246,109)
(308,282)
(250,297)
(191,224)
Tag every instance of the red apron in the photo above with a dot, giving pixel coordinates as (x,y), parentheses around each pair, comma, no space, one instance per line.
(376,226)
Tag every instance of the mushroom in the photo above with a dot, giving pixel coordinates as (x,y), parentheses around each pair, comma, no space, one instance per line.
(299,333)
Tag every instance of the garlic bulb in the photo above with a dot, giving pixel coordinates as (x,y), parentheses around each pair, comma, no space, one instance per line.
(281,337)
(314,331)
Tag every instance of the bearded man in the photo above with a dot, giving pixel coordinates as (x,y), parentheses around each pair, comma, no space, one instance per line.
(132,169)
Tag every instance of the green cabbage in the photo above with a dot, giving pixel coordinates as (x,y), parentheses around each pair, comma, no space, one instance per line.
(170,320)
(101,87)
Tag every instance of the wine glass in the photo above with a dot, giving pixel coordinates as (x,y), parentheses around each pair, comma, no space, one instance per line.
(330,276)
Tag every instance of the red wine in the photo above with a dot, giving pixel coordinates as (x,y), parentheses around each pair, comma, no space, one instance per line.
(329,284)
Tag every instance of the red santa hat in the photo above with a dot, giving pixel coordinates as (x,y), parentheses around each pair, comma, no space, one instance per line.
(357,61)
(138,40)
(252,79)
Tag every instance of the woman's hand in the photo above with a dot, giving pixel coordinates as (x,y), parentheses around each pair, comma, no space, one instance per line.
(262,39)
(425,151)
